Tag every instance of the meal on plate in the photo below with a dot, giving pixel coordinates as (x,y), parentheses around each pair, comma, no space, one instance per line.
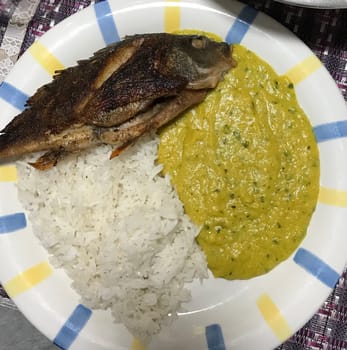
(230,184)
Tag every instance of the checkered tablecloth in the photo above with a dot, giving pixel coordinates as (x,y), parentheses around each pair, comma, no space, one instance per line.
(324,31)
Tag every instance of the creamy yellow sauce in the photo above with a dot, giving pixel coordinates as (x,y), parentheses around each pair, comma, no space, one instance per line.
(246,167)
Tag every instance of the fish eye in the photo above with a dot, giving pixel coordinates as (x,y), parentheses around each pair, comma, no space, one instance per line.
(199,43)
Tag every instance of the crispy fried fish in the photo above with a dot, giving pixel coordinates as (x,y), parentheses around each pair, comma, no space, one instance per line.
(123,91)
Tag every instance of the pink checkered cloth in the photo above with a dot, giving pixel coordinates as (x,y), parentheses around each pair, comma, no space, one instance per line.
(325,32)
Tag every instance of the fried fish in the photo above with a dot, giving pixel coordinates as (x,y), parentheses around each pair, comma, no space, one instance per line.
(123,91)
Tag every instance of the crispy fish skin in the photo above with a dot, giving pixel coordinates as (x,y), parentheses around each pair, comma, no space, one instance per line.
(123,91)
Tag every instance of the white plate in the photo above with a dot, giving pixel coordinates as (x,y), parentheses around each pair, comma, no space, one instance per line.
(317,3)
(255,314)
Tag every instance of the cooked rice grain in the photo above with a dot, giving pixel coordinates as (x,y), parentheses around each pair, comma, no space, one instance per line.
(119,231)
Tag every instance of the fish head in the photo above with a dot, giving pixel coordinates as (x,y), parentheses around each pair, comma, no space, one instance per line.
(202,61)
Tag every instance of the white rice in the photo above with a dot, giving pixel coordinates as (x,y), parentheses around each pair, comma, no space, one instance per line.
(119,230)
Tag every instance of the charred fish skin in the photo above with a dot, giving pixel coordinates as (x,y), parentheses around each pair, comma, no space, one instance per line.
(164,66)
(114,92)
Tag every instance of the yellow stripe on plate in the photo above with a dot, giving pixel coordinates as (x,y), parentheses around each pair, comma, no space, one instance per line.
(28,279)
(8,173)
(172,17)
(333,197)
(303,69)
(273,317)
(137,345)
(43,56)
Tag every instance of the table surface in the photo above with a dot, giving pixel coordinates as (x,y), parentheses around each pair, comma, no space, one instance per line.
(323,30)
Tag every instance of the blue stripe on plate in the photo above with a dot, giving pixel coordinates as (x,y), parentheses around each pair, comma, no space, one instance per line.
(13,96)
(241,25)
(214,337)
(12,223)
(316,267)
(72,327)
(106,23)
(330,131)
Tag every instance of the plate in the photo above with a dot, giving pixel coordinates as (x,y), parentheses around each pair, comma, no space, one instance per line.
(317,3)
(259,313)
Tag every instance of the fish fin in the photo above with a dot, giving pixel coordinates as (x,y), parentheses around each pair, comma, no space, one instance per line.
(116,152)
(48,160)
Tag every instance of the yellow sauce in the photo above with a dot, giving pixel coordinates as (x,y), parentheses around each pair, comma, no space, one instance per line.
(246,167)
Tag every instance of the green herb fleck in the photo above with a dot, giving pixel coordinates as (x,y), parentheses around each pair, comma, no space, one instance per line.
(236,134)
(226,129)
(245,143)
